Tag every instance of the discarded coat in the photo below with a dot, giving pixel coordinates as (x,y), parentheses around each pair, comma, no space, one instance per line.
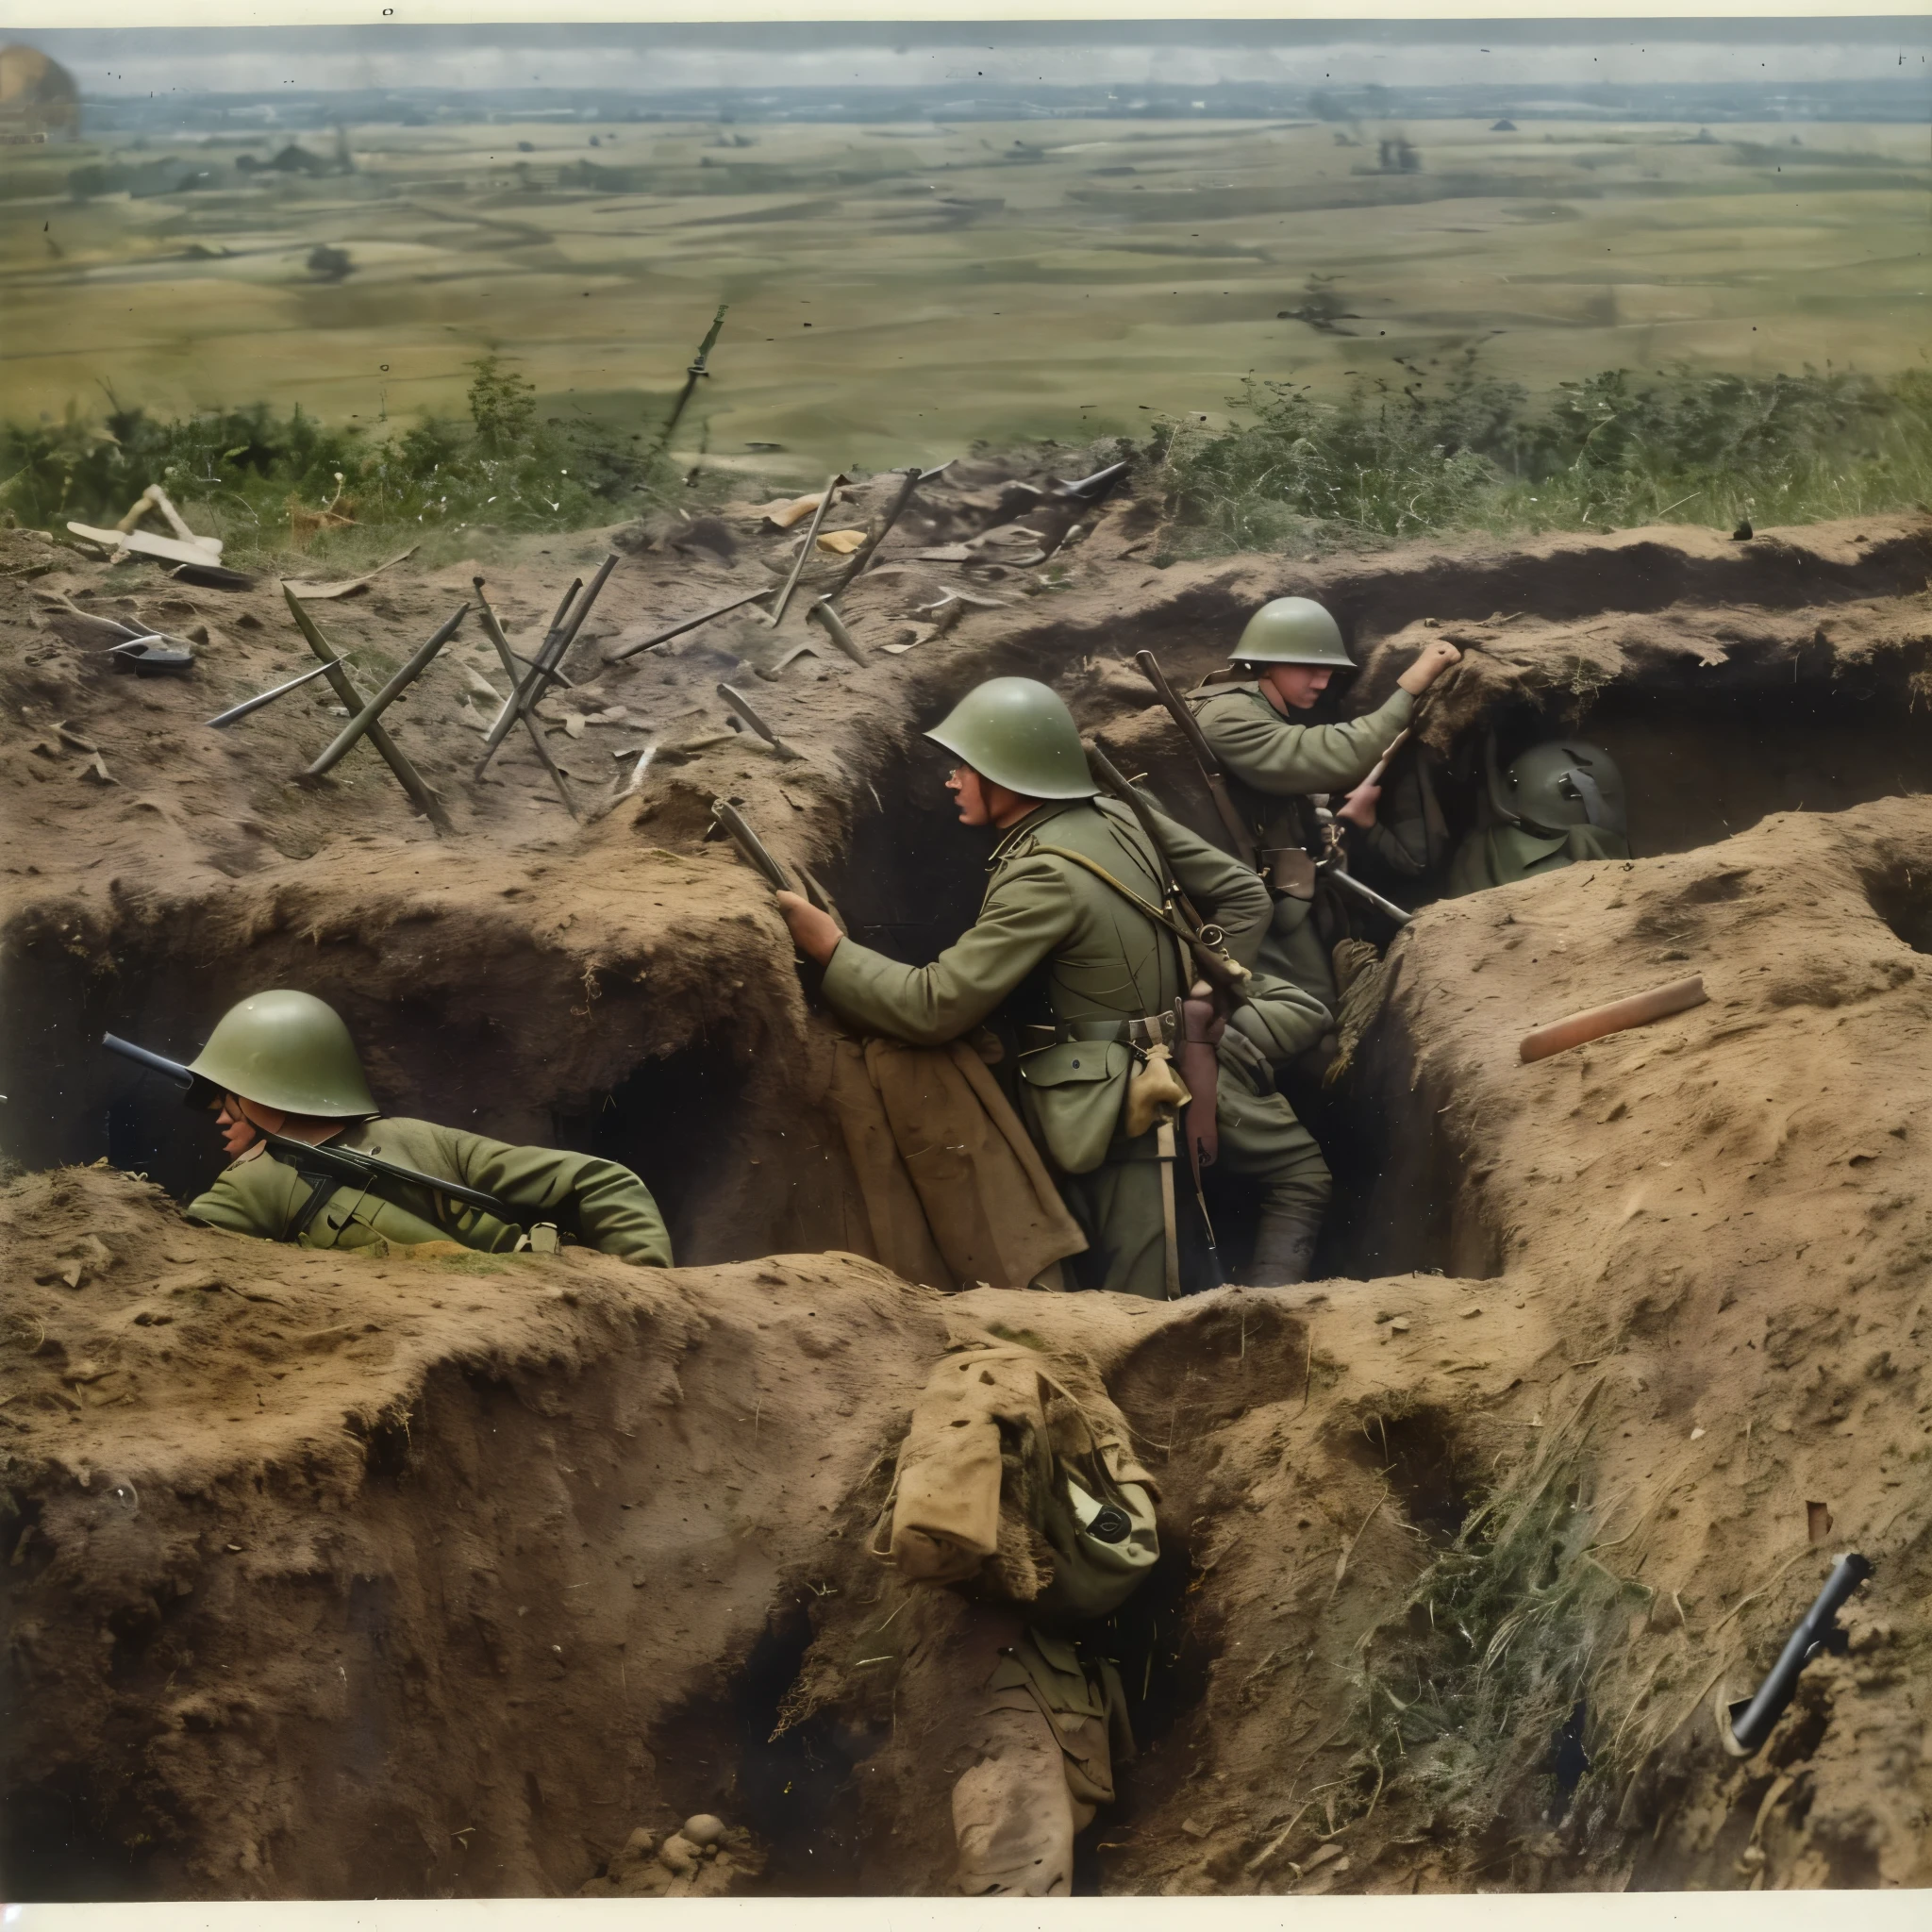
(954,1191)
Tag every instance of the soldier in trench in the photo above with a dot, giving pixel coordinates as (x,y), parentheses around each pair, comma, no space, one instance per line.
(1559,804)
(1287,657)
(284,1063)
(1067,915)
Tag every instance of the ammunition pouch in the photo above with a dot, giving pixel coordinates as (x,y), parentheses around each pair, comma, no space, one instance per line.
(1086,1081)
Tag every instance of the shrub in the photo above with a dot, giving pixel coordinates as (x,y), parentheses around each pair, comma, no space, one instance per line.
(1458,448)
(240,473)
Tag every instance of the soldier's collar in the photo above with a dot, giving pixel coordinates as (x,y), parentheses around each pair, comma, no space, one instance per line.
(1048,808)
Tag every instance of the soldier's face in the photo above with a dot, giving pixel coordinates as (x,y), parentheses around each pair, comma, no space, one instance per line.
(969,791)
(1297,685)
(238,1121)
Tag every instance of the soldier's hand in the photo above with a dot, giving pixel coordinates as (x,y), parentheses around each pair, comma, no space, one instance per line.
(1436,659)
(1359,810)
(812,931)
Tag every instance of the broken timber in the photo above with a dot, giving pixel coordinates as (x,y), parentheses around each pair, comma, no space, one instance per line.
(336,672)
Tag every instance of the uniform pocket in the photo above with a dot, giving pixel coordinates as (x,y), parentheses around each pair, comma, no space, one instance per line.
(1073,1093)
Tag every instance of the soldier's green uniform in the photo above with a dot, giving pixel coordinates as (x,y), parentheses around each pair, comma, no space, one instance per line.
(1103,963)
(288,1052)
(603,1205)
(1274,766)
(1557,804)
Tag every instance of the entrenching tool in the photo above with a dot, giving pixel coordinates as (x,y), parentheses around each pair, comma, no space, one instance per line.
(733,823)
(494,631)
(866,550)
(407,675)
(678,629)
(742,704)
(1331,870)
(425,800)
(242,711)
(833,625)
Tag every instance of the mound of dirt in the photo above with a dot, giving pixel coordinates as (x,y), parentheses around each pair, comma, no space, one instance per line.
(433,1573)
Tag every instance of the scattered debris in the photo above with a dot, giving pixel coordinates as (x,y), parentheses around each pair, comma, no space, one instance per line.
(222,720)
(1635,1012)
(347,587)
(742,704)
(425,800)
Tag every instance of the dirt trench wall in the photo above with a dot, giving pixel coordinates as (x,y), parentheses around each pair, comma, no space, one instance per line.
(1683,1270)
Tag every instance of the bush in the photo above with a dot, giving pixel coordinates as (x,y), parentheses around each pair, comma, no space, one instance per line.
(1465,450)
(242,474)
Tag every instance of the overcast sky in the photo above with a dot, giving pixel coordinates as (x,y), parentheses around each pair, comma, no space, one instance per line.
(648,59)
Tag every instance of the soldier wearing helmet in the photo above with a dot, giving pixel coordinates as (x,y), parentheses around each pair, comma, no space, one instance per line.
(1292,649)
(1556,804)
(1066,918)
(283,1063)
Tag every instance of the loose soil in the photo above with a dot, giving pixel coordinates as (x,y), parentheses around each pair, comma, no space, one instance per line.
(437,1574)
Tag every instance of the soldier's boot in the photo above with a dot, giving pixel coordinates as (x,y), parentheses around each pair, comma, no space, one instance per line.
(1284,1251)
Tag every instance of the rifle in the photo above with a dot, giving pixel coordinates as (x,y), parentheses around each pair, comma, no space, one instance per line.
(1204,757)
(1744,1725)
(1206,943)
(343,1163)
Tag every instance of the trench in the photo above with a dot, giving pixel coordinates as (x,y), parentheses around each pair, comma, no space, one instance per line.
(1705,752)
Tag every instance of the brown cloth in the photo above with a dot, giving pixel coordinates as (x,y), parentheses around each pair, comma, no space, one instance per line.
(960,1515)
(955,1190)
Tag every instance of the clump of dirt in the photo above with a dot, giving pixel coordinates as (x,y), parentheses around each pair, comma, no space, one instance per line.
(424,1575)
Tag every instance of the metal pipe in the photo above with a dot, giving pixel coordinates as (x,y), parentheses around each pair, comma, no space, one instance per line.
(267,697)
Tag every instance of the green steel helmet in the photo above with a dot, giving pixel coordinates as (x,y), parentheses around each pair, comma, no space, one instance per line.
(287,1050)
(1564,783)
(1293,630)
(1018,733)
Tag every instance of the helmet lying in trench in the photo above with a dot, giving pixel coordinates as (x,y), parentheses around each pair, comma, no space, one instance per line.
(1020,735)
(287,1050)
(1293,630)
(1567,782)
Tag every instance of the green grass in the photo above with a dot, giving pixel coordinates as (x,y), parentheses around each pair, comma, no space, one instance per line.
(239,473)
(969,282)
(1457,448)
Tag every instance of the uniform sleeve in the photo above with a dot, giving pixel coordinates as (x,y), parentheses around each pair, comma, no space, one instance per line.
(254,1196)
(612,1208)
(1028,912)
(1280,1018)
(1223,890)
(1265,750)
(1398,846)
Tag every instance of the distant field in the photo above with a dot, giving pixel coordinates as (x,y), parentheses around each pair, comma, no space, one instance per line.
(903,292)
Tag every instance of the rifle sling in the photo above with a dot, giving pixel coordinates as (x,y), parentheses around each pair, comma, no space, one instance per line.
(1157,914)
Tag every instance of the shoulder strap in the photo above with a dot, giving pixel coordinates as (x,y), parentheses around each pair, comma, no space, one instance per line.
(1156,913)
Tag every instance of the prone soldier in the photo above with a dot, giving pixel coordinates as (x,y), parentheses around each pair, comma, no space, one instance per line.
(316,1162)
